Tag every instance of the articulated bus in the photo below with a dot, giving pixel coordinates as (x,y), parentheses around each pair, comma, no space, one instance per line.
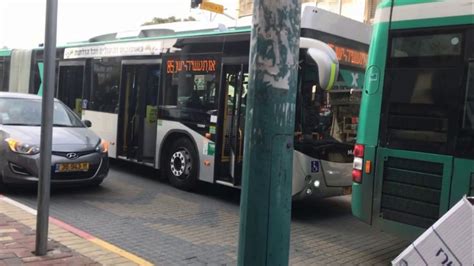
(414,157)
(176,101)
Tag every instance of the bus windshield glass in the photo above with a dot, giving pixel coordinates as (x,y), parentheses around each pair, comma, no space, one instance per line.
(427,45)
(326,121)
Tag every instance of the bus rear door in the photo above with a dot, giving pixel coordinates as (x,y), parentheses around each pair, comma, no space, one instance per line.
(137,125)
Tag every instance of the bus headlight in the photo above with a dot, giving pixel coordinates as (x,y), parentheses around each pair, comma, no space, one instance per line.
(317,183)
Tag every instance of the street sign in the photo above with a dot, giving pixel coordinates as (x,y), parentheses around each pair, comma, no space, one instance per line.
(213,7)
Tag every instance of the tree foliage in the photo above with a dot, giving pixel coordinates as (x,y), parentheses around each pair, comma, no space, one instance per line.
(156,20)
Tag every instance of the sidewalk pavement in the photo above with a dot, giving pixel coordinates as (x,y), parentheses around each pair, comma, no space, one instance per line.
(66,246)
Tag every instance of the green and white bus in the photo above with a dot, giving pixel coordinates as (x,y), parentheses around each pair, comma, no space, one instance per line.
(176,101)
(414,156)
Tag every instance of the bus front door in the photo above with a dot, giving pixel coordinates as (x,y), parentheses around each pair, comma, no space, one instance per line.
(137,125)
(70,85)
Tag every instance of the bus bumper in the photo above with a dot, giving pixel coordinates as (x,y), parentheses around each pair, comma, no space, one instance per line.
(312,178)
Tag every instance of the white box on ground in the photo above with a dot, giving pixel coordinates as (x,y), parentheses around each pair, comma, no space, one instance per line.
(448,242)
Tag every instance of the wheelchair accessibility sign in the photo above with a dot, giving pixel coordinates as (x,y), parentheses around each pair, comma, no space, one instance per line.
(314,166)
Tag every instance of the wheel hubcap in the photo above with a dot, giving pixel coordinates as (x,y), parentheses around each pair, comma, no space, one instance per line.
(180,163)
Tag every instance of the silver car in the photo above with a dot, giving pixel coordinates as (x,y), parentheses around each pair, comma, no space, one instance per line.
(79,156)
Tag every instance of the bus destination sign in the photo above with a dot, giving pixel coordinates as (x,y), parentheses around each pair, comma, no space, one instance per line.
(200,65)
(349,56)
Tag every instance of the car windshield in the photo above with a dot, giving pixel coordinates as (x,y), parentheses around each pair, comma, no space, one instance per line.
(27,112)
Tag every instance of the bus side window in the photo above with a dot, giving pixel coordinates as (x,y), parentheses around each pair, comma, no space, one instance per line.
(189,91)
(105,86)
(465,139)
(468,121)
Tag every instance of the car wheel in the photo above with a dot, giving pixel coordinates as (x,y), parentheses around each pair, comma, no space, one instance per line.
(181,164)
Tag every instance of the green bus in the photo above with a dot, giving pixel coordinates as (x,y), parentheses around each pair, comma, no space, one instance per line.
(414,157)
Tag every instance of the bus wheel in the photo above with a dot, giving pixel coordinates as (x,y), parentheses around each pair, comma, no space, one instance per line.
(182,164)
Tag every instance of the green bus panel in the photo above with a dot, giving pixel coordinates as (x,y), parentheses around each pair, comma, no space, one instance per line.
(5,52)
(463,180)
(412,189)
(362,193)
(432,22)
(368,129)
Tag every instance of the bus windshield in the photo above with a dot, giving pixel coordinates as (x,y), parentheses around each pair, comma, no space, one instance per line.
(326,121)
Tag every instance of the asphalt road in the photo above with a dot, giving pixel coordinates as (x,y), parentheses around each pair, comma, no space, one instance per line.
(136,211)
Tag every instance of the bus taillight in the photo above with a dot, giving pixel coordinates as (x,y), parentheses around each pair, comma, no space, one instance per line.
(359,150)
(357,176)
(358,163)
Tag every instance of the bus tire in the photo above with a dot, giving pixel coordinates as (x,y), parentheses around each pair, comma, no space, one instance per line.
(181,164)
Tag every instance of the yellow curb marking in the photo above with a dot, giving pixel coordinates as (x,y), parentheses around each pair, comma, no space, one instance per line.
(120,251)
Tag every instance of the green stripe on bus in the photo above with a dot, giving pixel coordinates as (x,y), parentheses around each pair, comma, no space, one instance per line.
(388,3)
(41,71)
(433,22)
(333,77)
(5,52)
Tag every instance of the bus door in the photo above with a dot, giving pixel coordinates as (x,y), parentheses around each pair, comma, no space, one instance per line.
(71,84)
(235,88)
(137,124)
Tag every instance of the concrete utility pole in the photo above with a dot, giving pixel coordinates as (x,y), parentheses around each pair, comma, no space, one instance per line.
(265,211)
(44,183)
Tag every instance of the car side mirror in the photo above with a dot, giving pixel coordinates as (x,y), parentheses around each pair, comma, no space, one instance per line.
(88,123)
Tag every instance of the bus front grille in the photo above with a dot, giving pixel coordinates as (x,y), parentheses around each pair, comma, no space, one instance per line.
(411,191)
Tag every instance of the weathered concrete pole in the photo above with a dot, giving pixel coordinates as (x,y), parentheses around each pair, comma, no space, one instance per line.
(265,211)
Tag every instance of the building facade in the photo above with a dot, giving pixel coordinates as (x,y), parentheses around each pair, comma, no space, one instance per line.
(360,10)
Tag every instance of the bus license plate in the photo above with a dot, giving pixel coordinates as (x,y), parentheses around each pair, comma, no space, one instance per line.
(72,167)
(347,190)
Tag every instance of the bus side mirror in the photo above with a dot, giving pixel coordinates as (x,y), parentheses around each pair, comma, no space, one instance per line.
(326,59)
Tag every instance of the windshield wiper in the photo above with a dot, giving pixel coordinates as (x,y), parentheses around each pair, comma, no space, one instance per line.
(21,124)
(62,125)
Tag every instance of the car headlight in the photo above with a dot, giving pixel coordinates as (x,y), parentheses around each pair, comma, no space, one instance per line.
(22,148)
(103,146)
